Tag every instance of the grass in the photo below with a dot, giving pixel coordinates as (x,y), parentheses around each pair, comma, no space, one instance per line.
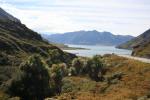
(134,83)
(143,51)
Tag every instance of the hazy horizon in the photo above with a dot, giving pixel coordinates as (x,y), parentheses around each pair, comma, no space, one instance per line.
(120,17)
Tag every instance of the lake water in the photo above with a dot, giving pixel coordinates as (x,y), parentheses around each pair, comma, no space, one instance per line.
(97,50)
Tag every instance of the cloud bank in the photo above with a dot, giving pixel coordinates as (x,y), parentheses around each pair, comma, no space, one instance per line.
(126,17)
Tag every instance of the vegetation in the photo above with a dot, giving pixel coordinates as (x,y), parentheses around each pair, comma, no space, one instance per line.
(100,77)
(77,64)
(32,82)
(17,43)
(140,45)
(142,50)
(95,68)
(35,79)
(125,79)
(56,76)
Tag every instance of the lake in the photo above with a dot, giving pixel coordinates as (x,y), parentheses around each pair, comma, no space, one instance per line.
(91,50)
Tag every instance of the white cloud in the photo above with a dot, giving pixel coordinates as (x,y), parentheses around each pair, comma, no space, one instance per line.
(42,21)
(118,16)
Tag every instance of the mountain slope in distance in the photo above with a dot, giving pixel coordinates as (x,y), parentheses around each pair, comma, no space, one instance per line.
(88,38)
(140,45)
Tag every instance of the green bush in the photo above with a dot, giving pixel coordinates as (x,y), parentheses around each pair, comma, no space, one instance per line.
(64,69)
(95,68)
(54,57)
(72,71)
(56,77)
(32,82)
(77,64)
(68,86)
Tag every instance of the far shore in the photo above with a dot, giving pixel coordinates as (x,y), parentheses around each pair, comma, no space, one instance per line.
(66,47)
(73,48)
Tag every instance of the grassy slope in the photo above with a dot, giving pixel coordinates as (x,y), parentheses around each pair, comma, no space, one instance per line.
(130,44)
(140,45)
(142,50)
(134,83)
(17,38)
(17,43)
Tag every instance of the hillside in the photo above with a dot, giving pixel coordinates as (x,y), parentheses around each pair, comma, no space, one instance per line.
(7,17)
(140,45)
(125,79)
(88,37)
(17,43)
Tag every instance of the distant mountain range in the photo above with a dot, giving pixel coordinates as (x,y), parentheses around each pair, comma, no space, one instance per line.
(140,45)
(88,38)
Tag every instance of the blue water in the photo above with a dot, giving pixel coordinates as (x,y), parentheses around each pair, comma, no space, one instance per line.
(97,50)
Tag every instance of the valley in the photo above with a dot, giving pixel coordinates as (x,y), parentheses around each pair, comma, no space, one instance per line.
(33,68)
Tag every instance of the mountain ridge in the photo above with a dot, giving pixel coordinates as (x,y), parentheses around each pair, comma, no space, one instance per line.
(88,37)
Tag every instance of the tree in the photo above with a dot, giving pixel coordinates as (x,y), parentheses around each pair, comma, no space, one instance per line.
(32,82)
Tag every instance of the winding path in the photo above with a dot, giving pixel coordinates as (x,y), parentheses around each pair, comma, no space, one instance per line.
(145,60)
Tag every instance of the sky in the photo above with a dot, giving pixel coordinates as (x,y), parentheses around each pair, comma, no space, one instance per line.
(124,17)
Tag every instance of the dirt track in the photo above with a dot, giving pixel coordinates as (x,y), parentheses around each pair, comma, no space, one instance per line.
(136,58)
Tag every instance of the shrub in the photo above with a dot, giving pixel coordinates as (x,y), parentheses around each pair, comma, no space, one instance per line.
(54,58)
(95,68)
(68,86)
(114,78)
(32,82)
(77,64)
(64,69)
(72,71)
(56,77)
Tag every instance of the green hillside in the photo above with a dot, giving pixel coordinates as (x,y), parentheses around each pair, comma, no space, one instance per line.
(17,39)
(18,43)
(140,45)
